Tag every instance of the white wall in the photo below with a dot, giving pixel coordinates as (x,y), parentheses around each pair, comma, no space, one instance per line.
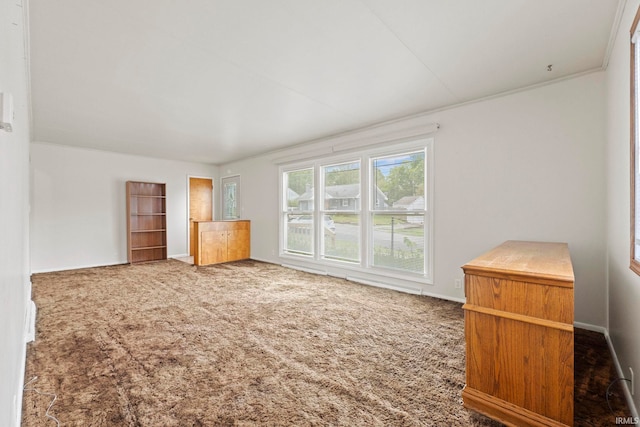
(14,215)
(78,216)
(526,166)
(624,285)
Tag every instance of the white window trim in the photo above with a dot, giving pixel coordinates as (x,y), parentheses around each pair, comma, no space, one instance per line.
(322,211)
(283,210)
(634,263)
(365,270)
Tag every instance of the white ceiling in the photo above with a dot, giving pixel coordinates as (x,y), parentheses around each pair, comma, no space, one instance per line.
(217,80)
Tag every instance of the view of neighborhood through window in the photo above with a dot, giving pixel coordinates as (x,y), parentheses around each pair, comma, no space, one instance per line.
(299,212)
(399,211)
(374,216)
(341,211)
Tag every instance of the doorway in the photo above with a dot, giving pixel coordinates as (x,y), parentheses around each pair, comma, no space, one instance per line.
(200,205)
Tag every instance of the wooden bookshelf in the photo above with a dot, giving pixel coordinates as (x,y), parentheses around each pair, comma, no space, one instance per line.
(146,221)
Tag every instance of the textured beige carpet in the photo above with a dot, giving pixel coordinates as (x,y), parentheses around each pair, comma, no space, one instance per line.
(248,343)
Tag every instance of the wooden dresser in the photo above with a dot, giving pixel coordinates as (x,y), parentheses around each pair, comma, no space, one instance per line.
(519,334)
(221,241)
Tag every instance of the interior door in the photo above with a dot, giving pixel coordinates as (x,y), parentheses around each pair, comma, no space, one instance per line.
(200,205)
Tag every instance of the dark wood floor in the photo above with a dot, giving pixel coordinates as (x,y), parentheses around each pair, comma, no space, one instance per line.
(594,373)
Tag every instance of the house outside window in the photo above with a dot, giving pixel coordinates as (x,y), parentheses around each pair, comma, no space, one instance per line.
(340,211)
(398,225)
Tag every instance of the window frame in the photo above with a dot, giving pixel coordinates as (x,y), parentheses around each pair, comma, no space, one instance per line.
(284,212)
(634,40)
(365,154)
(322,210)
(375,209)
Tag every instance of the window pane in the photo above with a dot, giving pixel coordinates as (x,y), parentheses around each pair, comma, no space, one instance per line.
(342,187)
(230,200)
(298,216)
(299,238)
(341,237)
(398,242)
(399,182)
(341,197)
(299,190)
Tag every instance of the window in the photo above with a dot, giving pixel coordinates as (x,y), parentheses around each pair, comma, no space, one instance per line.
(635,151)
(398,213)
(373,211)
(230,197)
(341,206)
(298,212)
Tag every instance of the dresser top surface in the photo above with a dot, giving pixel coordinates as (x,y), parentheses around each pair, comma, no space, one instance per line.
(222,221)
(539,259)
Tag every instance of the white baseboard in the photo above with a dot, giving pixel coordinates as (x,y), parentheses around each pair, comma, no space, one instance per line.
(17,398)
(29,335)
(178,256)
(305,269)
(590,327)
(30,326)
(383,285)
(625,384)
(616,363)
(76,267)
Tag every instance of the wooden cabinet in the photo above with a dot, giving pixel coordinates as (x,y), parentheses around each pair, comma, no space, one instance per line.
(519,334)
(221,241)
(146,221)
